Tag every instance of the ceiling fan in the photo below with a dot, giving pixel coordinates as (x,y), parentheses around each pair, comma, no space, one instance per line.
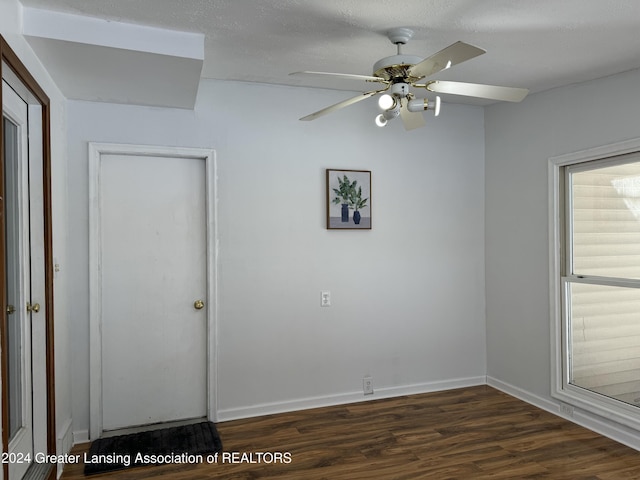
(398,73)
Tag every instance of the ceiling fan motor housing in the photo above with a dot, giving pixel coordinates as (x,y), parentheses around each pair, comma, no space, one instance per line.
(396,67)
(399,89)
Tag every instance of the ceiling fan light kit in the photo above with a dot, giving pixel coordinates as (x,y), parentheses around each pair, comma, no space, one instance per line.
(422,104)
(386,101)
(381,121)
(399,73)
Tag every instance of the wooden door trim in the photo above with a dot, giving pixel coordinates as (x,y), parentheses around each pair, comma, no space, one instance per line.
(96,151)
(9,58)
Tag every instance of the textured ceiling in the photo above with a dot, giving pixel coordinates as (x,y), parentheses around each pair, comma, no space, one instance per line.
(533,44)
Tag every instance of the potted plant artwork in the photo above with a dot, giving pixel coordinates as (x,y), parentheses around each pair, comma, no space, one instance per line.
(348,195)
(358,202)
(344,195)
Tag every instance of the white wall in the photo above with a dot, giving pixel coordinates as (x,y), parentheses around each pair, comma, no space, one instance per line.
(408,296)
(10,21)
(519,141)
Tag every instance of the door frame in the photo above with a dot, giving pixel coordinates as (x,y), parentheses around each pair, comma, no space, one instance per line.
(18,73)
(96,151)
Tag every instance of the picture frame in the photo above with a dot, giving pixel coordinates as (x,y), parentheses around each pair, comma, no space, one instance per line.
(348,199)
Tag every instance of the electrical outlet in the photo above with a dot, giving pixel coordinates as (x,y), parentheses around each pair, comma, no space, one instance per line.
(566,410)
(367,385)
(325,298)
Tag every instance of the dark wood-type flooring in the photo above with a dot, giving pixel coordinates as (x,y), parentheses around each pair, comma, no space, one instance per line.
(470,433)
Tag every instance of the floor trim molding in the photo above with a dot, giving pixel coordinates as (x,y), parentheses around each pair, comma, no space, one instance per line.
(584,419)
(345,398)
(611,430)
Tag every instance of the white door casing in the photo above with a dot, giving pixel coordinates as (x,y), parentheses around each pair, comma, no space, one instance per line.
(168,338)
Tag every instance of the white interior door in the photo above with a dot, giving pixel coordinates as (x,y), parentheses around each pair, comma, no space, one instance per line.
(153,269)
(18,281)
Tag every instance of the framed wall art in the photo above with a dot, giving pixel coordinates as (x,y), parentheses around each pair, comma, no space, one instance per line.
(348,199)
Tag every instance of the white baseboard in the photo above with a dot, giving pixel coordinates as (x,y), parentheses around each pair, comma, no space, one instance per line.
(584,419)
(80,436)
(345,398)
(543,403)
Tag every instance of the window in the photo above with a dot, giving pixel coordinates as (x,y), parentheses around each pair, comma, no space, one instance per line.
(596,280)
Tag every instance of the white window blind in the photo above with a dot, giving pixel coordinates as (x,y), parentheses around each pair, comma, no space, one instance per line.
(603,278)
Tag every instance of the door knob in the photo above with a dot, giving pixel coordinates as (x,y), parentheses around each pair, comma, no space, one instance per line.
(10,309)
(198,304)
(35,308)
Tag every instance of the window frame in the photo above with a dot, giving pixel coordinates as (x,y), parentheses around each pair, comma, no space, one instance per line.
(561,276)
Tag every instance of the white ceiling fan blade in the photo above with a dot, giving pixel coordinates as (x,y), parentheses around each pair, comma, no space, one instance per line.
(445,58)
(491,92)
(411,120)
(348,76)
(339,105)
